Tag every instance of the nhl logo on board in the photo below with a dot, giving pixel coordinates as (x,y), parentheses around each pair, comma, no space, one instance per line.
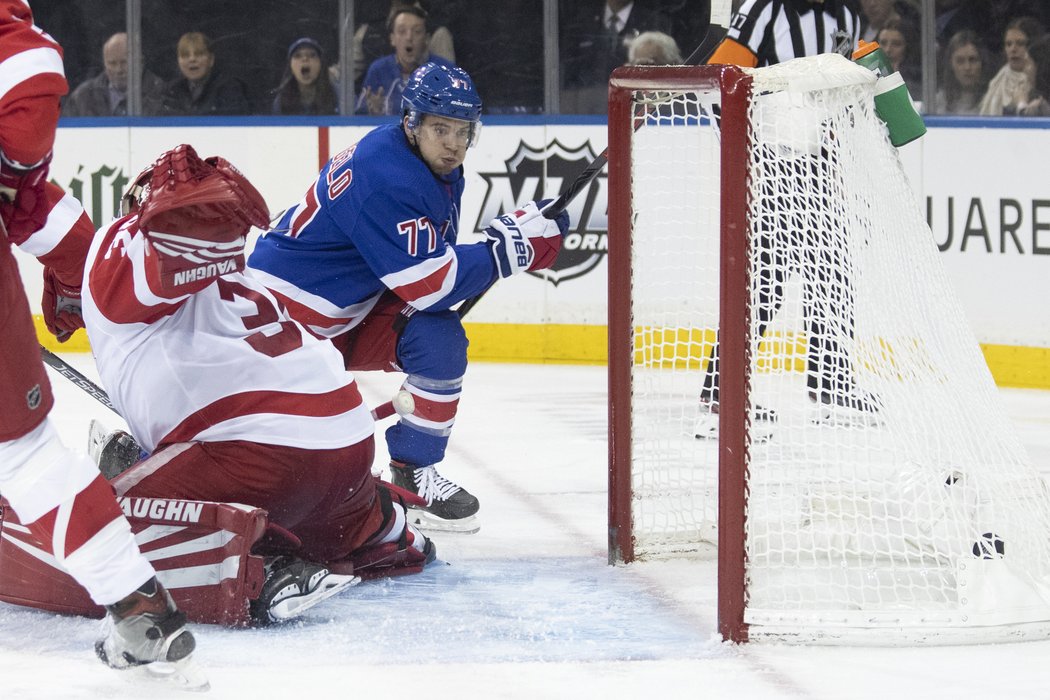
(541,173)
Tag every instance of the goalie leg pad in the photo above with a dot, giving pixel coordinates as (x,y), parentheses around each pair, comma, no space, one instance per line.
(212,577)
(396,548)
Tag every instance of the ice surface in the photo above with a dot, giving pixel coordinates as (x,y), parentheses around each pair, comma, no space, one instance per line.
(528,607)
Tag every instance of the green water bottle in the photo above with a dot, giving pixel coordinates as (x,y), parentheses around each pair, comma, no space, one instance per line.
(869,55)
(892,102)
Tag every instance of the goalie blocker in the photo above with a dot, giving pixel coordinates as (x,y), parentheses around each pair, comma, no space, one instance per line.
(201,551)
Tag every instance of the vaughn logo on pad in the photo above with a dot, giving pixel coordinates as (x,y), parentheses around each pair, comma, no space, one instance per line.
(541,173)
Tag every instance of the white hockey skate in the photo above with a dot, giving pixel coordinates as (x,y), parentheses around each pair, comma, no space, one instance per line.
(853,408)
(706,426)
(146,634)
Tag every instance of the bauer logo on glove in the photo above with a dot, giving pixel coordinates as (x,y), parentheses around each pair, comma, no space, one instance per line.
(526,239)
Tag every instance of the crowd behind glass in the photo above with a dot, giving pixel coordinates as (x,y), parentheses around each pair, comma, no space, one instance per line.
(224,57)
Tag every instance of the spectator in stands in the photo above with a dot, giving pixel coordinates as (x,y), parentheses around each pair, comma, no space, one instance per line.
(201,89)
(1004,11)
(387,76)
(106,95)
(595,37)
(876,13)
(900,44)
(305,88)
(689,21)
(1039,102)
(372,37)
(654,49)
(1009,90)
(953,16)
(965,77)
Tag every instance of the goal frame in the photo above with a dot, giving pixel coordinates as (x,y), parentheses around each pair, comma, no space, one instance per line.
(734,324)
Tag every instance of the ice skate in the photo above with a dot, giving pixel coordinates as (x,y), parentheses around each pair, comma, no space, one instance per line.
(146,631)
(852,407)
(293,586)
(706,426)
(450,507)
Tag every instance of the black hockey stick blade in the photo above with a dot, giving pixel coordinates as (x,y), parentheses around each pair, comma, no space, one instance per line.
(66,370)
(721,11)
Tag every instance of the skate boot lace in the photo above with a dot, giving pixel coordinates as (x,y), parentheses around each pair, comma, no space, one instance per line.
(432,486)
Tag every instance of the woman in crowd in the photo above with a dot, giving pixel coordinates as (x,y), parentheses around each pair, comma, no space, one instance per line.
(200,89)
(1039,102)
(965,79)
(900,42)
(305,88)
(1009,90)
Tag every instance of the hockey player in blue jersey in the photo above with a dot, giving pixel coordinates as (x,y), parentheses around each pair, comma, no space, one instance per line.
(369,258)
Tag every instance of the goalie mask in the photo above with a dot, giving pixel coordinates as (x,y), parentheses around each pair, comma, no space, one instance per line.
(443,91)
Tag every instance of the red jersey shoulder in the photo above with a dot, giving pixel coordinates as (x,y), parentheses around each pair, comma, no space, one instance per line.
(17,31)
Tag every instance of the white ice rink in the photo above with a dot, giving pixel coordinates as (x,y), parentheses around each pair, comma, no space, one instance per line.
(528,607)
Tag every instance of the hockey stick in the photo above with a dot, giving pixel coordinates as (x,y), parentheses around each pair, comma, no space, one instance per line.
(66,370)
(401,403)
(721,11)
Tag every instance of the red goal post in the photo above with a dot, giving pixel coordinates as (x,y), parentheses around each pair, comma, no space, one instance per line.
(889,501)
(734,87)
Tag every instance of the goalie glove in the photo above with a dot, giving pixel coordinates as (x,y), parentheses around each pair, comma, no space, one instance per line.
(525,239)
(195,215)
(23,202)
(61,306)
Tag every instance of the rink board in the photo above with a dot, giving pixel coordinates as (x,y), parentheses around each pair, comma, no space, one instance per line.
(992,223)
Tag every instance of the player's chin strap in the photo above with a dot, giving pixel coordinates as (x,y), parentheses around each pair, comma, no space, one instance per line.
(721,11)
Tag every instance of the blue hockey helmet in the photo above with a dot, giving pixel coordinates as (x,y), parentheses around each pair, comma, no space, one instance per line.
(444,91)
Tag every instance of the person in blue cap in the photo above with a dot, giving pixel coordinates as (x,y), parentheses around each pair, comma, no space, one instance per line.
(369,258)
(305,87)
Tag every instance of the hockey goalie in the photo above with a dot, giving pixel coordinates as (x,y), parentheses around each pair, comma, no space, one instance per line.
(257,499)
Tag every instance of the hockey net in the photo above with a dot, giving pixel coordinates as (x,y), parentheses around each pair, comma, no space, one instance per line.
(895,503)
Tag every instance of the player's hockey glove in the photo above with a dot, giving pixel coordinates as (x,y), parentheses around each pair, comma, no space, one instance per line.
(525,239)
(61,306)
(23,203)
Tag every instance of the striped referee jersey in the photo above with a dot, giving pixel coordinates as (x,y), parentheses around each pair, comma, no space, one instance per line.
(766,32)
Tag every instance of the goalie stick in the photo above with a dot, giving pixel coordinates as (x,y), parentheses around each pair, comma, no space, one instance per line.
(721,11)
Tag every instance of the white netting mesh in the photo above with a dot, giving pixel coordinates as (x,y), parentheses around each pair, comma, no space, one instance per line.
(890,462)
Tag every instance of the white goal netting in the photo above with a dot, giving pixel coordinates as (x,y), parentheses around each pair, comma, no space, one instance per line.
(888,498)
